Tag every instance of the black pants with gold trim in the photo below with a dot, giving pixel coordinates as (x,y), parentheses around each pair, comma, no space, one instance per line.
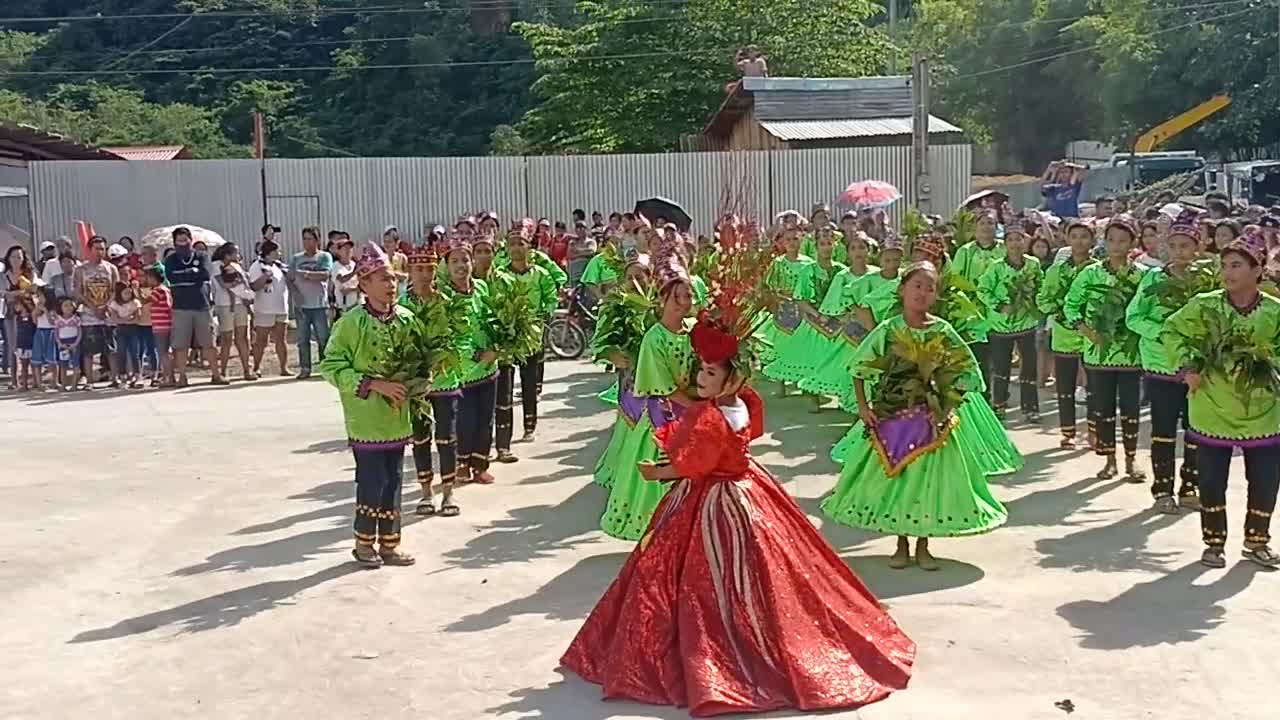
(1168,407)
(1002,365)
(505,414)
(378,476)
(1112,386)
(1261,471)
(442,427)
(1066,371)
(475,424)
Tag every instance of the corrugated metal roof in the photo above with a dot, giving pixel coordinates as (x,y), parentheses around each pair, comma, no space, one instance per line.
(25,142)
(850,128)
(149,152)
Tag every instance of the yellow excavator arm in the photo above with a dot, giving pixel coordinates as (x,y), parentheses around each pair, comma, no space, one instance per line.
(1157,135)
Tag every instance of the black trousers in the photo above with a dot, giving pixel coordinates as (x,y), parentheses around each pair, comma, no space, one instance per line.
(1261,471)
(529,388)
(1168,408)
(378,477)
(1111,386)
(1066,369)
(1001,362)
(982,352)
(475,425)
(443,420)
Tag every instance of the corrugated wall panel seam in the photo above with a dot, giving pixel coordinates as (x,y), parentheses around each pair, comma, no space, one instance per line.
(363,195)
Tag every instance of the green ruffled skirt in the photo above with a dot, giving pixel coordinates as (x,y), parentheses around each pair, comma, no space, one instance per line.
(632,499)
(943,493)
(831,376)
(980,432)
(607,465)
(799,358)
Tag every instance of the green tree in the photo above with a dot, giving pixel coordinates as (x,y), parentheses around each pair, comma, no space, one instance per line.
(666,65)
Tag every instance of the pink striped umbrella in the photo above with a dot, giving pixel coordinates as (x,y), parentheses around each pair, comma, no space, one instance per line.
(870,193)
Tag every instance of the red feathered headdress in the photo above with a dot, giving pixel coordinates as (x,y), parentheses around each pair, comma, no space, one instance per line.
(725,328)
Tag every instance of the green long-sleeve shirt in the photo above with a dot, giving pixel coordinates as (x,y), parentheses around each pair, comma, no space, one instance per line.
(1053,296)
(1218,410)
(1146,316)
(783,274)
(540,259)
(879,295)
(355,356)
(1005,286)
(972,260)
(479,340)
(816,282)
(1099,298)
(839,253)
(844,291)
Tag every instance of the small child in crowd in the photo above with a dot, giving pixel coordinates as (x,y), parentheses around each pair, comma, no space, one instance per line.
(44,350)
(159,300)
(123,312)
(67,328)
(25,341)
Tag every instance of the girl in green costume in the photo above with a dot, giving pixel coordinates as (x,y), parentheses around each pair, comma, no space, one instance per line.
(662,377)
(625,319)
(828,374)
(983,432)
(783,277)
(1007,291)
(1162,291)
(816,335)
(1226,341)
(1095,306)
(1065,342)
(970,262)
(911,474)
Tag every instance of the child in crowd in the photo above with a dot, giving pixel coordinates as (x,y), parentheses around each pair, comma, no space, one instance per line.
(124,311)
(44,349)
(160,300)
(66,327)
(25,341)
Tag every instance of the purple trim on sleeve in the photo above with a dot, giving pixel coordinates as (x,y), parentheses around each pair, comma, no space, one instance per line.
(364,388)
(1243,443)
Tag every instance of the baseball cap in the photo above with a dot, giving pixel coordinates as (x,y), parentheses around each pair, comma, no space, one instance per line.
(116,251)
(47,245)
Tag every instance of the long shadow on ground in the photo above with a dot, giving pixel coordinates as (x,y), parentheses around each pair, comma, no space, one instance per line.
(1168,610)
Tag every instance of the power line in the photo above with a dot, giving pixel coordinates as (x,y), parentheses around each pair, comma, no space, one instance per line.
(1071,19)
(152,43)
(1096,45)
(427,8)
(359,68)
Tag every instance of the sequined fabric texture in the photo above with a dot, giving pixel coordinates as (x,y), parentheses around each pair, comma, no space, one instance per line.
(734,602)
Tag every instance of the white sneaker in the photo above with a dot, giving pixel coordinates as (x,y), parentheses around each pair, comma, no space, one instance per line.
(1082,396)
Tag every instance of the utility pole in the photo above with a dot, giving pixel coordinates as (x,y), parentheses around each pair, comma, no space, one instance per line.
(920,132)
(893,37)
(260,152)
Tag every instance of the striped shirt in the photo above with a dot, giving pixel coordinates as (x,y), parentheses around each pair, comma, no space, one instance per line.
(161,309)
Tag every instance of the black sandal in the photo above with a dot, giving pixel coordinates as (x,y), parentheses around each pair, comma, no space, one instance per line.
(448,509)
(371,560)
(426,508)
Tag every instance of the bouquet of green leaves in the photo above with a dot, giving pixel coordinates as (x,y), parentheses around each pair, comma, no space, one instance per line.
(921,371)
(1020,291)
(1252,365)
(955,302)
(511,317)
(914,225)
(704,261)
(1176,291)
(962,229)
(425,345)
(1108,304)
(625,316)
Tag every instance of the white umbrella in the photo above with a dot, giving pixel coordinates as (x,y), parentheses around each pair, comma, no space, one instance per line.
(162,237)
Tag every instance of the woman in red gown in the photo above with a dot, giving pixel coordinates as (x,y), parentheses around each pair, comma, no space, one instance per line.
(733,602)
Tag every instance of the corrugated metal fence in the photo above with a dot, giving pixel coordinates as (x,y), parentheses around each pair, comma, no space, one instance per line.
(363,195)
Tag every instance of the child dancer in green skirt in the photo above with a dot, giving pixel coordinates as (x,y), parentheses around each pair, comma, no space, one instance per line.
(910,473)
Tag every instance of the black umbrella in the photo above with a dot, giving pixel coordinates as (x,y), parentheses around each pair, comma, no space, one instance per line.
(660,208)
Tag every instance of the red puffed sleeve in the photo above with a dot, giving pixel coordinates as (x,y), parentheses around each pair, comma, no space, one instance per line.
(755,410)
(695,442)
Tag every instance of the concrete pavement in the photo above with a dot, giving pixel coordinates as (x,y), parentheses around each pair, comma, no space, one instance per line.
(184,554)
